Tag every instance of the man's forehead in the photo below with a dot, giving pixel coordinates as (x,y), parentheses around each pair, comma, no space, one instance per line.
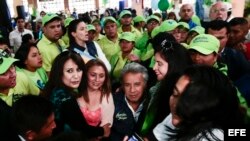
(219,5)
(186,7)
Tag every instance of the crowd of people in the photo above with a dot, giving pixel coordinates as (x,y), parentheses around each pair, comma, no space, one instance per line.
(122,76)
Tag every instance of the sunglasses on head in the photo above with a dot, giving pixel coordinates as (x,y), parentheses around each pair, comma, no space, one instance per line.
(5,53)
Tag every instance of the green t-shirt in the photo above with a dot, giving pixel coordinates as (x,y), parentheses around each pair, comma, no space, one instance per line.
(65,39)
(23,87)
(39,77)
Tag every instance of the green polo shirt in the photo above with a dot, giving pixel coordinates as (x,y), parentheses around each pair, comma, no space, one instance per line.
(99,37)
(49,50)
(65,39)
(117,63)
(109,47)
(133,30)
(147,50)
(23,87)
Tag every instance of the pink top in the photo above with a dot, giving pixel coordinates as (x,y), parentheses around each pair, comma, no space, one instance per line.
(93,118)
(104,113)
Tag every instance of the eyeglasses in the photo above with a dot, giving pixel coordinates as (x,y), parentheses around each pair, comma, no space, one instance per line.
(167,45)
(5,53)
(153,23)
(218,10)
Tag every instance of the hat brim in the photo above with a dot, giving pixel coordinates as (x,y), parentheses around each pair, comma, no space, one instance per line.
(7,62)
(201,50)
(52,19)
(109,20)
(127,39)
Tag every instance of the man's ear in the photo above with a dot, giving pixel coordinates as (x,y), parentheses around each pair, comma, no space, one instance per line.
(30,135)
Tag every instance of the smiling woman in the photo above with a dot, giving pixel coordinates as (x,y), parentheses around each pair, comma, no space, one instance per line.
(96,103)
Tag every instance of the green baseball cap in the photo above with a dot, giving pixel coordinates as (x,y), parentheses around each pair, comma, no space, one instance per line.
(205,44)
(96,21)
(48,17)
(198,29)
(155,31)
(139,19)
(5,61)
(183,25)
(168,25)
(124,12)
(153,17)
(129,36)
(109,18)
(91,27)
(67,21)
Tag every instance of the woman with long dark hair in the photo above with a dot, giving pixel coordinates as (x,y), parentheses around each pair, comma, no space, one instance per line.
(204,103)
(79,42)
(171,59)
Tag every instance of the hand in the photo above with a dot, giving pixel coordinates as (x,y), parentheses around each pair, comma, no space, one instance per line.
(125,138)
(241,47)
(133,58)
(106,129)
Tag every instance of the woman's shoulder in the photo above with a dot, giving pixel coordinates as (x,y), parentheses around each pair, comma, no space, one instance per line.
(60,94)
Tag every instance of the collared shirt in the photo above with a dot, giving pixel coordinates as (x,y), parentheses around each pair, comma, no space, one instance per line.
(109,47)
(49,50)
(118,62)
(133,30)
(99,37)
(136,113)
(15,38)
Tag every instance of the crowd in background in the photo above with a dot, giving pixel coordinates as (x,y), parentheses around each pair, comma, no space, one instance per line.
(118,76)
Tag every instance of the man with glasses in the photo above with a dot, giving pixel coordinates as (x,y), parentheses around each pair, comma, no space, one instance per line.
(218,11)
(144,43)
(13,84)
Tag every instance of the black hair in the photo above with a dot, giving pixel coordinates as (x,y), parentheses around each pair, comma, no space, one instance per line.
(56,74)
(22,54)
(238,21)
(31,113)
(208,102)
(106,87)
(19,17)
(178,60)
(172,52)
(72,28)
(218,25)
(26,38)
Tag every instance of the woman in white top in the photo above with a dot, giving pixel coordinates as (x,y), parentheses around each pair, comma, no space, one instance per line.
(79,42)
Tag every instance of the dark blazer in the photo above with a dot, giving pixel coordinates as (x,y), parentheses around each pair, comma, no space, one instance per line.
(124,123)
(236,63)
